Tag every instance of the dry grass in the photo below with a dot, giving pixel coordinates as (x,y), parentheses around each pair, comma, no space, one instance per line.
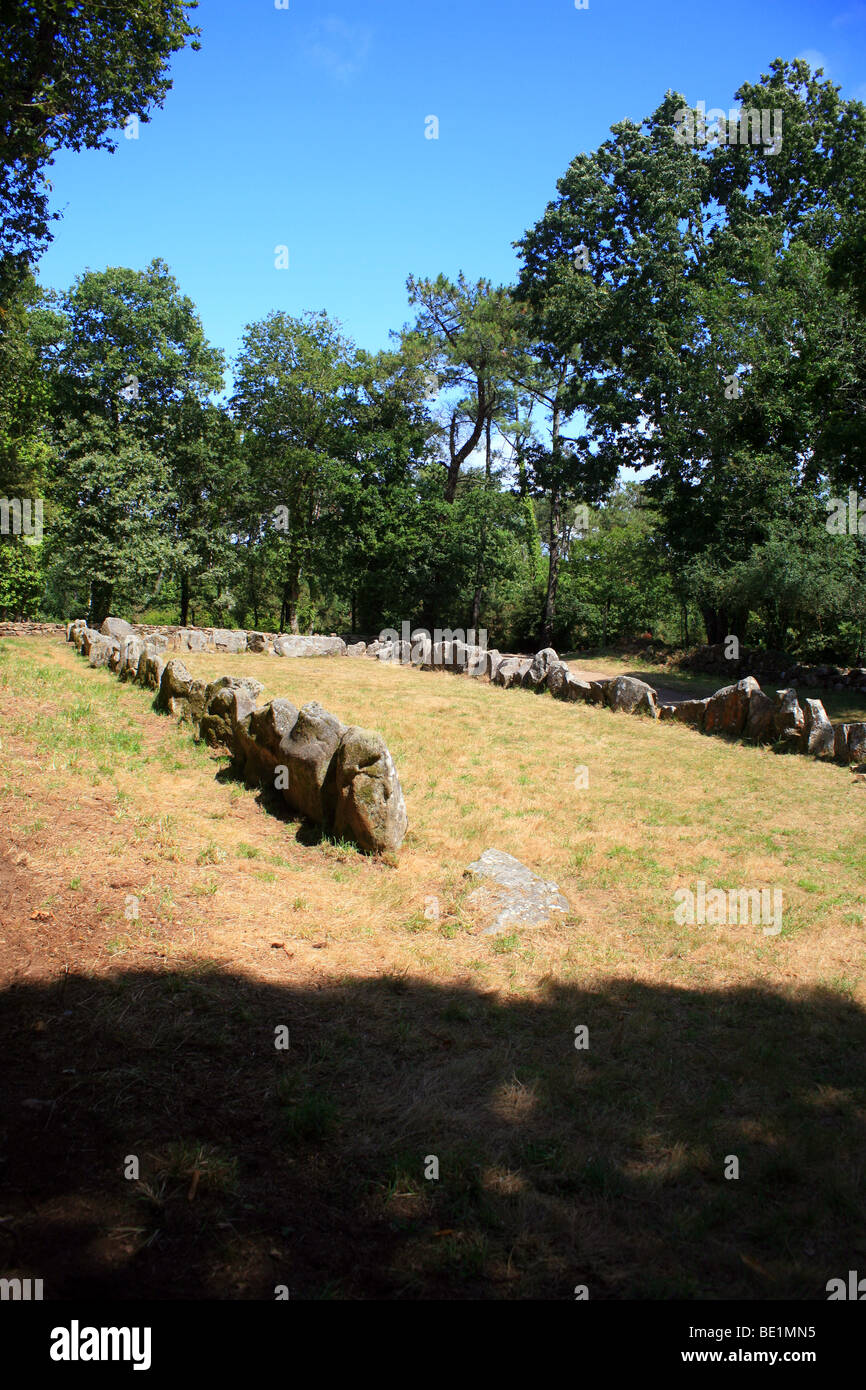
(413,1036)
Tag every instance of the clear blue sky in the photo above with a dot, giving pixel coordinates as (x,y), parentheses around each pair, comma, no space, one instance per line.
(305,127)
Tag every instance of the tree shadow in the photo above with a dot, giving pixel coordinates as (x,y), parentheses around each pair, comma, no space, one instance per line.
(610,1165)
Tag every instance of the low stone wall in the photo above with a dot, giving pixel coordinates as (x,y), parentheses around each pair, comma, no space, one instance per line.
(27,629)
(219,639)
(342,777)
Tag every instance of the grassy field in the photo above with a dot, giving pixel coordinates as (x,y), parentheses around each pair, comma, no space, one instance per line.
(158,922)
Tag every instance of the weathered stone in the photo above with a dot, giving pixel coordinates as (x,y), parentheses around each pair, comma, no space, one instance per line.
(576,691)
(691,712)
(174,686)
(513,896)
(227,703)
(154,665)
(632,695)
(131,649)
(511,671)
(459,657)
(100,649)
(818,736)
(77,625)
(728,708)
(356,649)
(192,639)
(476,662)
(788,718)
(857,742)
(116,627)
(557,676)
(540,664)
(292,644)
(257,642)
(492,658)
(667,712)
(226,640)
(373,648)
(598,692)
(261,741)
(369,800)
(311,747)
(759,721)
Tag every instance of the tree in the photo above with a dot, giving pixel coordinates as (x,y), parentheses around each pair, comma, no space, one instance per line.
(294,381)
(72,71)
(131,371)
(466,335)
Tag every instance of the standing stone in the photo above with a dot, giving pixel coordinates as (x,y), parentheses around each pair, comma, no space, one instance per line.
(857,743)
(728,709)
(539,666)
(510,671)
(227,702)
(691,712)
(311,747)
(116,627)
(192,639)
(261,742)
(229,641)
(818,736)
(759,722)
(370,806)
(174,688)
(293,644)
(598,692)
(632,695)
(788,719)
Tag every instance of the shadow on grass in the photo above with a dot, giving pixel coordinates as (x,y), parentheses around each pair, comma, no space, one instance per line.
(306,1166)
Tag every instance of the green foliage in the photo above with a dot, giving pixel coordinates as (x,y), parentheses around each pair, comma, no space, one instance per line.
(72,72)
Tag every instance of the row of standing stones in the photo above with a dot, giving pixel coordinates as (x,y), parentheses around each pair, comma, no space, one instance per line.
(742,710)
(342,778)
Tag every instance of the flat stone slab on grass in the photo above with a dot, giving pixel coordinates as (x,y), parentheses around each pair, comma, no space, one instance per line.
(516,896)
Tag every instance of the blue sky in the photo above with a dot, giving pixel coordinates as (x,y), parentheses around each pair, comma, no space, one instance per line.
(304,127)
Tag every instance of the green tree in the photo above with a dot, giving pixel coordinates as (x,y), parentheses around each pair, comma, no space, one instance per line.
(131,373)
(71,72)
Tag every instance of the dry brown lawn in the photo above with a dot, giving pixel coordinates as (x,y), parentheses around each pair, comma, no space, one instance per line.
(413,1035)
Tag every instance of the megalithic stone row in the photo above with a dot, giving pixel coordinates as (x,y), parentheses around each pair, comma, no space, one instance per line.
(343,779)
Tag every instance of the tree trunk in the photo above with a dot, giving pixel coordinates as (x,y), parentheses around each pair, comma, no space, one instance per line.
(289,610)
(479,587)
(553,570)
(555,543)
(184,599)
(101,593)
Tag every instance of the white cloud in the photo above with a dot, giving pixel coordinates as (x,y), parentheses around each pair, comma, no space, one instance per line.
(816,59)
(339,48)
